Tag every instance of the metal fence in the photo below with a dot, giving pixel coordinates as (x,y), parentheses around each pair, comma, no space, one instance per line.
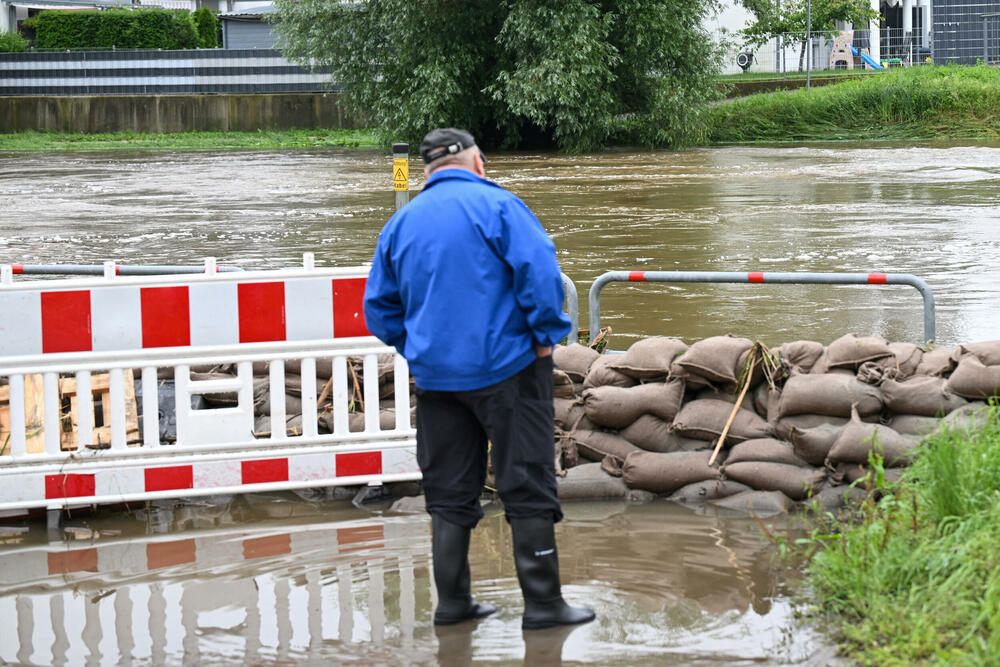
(150,71)
(991,38)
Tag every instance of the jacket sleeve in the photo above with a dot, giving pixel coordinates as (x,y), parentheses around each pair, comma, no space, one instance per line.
(383,303)
(538,287)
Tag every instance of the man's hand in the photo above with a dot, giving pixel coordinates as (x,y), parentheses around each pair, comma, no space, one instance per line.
(543,351)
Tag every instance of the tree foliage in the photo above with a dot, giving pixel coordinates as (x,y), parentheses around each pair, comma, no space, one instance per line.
(790,16)
(207,27)
(121,28)
(577,73)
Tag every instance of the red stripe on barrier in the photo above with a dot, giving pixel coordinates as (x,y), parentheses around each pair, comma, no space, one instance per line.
(66,321)
(363,537)
(262,312)
(268,470)
(272,545)
(359,463)
(118,270)
(167,554)
(876,279)
(166,316)
(637,276)
(77,560)
(17,268)
(168,478)
(348,308)
(755,277)
(69,486)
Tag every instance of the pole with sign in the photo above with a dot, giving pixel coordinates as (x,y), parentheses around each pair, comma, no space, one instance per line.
(401,174)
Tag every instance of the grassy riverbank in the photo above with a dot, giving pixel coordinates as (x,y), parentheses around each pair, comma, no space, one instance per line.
(917,579)
(917,103)
(262,139)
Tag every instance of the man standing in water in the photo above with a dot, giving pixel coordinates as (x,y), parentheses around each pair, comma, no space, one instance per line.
(465,285)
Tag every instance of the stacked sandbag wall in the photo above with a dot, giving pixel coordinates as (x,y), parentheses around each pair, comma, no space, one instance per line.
(809,418)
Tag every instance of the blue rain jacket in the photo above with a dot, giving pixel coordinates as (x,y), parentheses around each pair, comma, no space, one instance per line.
(464,283)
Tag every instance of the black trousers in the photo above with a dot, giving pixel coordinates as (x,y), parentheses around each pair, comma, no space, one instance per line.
(516,416)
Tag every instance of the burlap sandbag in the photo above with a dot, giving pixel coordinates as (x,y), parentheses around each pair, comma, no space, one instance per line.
(831,498)
(765,450)
(602,374)
(913,424)
(649,358)
(795,482)
(716,359)
(293,385)
(574,360)
(293,405)
(356,420)
(765,401)
(589,482)
(783,428)
(850,351)
(562,385)
(758,503)
(937,361)
(906,357)
(859,439)
(830,394)
(705,419)
(921,395)
(570,415)
(653,434)
(813,445)
(617,407)
(728,394)
(701,492)
(969,417)
(665,473)
(988,352)
(800,355)
(595,445)
(972,379)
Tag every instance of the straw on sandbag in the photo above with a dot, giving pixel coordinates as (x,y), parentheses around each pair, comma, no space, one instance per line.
(649,358)
(765,450)
(574,360)
(701,492)
(758,503)
(716,359)
(859,439)
(937,361)
(617,407)
(705,420)
(796,482)
(800,355)
(906,357)
(921,395)
(813,445)
(972,379)
(601,374)
(589,482)
(850,351)
(595,445)
(830,394)
(665,473)
(913,424)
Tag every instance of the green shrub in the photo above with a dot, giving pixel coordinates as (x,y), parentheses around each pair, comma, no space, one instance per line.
(11,42)
(120,28)
(206,26)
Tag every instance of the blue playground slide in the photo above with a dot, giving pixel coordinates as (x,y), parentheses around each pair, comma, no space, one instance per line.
(867,58)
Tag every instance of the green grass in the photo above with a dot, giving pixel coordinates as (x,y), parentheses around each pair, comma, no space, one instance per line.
(795,74)
(261,139)
(918,103)
(916,580)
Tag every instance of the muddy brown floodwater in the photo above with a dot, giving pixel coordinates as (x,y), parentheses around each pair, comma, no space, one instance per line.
(273,579)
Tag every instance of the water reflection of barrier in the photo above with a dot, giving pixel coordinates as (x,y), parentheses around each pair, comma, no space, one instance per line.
(803,278)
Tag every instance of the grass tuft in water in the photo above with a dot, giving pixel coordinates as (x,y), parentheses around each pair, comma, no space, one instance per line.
(917,103)
(916,579)
(261,139)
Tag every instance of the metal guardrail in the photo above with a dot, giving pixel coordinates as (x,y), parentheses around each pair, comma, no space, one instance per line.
(803,278)
(572,306)
(114,269)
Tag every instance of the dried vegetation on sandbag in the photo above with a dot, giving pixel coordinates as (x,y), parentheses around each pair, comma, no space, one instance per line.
(799,422)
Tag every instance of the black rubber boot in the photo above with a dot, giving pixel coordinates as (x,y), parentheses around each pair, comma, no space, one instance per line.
(538,571)
(450,552)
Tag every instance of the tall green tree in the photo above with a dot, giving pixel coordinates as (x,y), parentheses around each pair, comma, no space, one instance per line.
(576,73)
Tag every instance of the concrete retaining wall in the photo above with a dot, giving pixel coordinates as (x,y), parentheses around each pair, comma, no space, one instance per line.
(174,113)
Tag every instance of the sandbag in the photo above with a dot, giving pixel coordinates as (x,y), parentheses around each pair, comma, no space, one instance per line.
(617,407)
(650,433)
(906,357)
(937,361)
(972,379)
(765,402)
(830,394)
(595,445)
(713,489)
(766,450)
(921,395)
(859,439)
(727,393)
(758,503)
(987,352)
(800,355)
(589,482)
(562,384)
(570,415)
(293,405)
(967,418)
(813,445)
(356,420)
(293,385)
(649,358)
(783,428)
(913,424)
(849,351)
(574,360)
(601,374)
(665,473)
(705,419)
(832,498)
(796,482)
(716,359)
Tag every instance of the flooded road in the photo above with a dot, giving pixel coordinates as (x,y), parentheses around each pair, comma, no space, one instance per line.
(276,580)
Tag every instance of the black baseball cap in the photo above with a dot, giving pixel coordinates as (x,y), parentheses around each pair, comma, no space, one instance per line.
(444,141)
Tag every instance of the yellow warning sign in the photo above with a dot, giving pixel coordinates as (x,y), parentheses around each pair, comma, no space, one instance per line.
(400,173)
